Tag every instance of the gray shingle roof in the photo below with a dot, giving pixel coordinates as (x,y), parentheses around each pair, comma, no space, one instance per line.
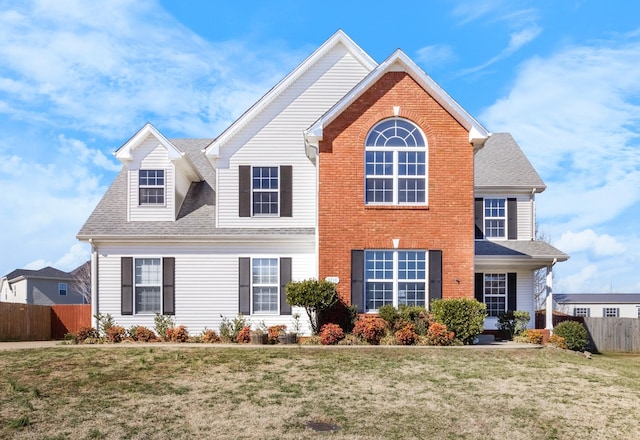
(46,272)
(523,248)
(196,216)
(597,298)
(502,164)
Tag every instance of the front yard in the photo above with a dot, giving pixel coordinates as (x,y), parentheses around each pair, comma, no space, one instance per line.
(154,391)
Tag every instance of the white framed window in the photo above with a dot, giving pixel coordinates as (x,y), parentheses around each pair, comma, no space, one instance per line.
(495,293)
(265,190)
(637,311)
(611,312)
(148,285)
(495,217)
(265,286)
(395,277)
(581,311)
(395,164)
(62,289)
(151,187)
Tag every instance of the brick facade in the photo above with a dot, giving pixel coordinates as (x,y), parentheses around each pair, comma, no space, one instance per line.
(447,223)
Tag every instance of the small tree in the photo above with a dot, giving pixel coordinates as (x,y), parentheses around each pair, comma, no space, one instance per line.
(314,296)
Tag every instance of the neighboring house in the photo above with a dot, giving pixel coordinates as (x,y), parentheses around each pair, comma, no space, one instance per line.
(598,305)
(358,172)
(46,286)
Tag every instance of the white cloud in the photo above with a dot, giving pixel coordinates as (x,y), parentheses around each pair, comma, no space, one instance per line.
(79,151)
(434,55)
(585,281)
(588,240)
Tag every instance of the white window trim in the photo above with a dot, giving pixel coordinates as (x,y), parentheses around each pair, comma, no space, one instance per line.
(277,286)
(277,191)
(135,285)
(505,295)
(164,189)
(505,218)
(396,280)
(583,312)
(60,289)
(395,177)
(605,311)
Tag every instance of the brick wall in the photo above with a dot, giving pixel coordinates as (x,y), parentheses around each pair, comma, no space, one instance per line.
(446,224)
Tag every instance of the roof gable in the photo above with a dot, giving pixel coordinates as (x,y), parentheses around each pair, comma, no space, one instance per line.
(45,272)
(182,162)
(213,150)
(399,61)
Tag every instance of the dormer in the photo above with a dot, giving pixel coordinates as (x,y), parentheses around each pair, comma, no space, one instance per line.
(158,176)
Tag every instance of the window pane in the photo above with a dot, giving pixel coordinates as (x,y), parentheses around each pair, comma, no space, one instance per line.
(494,207)
(494,228)
(265,300)
(379,190)
(151,196)
(411,294)
(265,202)
(378,295)
(265,178)
(495,293)
(148,271)
(411,191)
(379,265)
(265,271)
(411,163)
(148,299)
(411,265)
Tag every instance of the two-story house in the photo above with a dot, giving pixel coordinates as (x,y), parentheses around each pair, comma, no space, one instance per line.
(362,172)
(46,286)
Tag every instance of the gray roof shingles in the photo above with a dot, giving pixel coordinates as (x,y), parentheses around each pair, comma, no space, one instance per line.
(46,272)
(523,248)
(501,163)
(597,298)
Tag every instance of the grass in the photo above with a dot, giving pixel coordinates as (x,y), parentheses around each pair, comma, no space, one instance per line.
(271,393)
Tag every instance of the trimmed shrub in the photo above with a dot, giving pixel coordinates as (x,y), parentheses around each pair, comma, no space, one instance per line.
(331,334)
(244,335)
(209,336)
(388,339)
(513,323)
(116,333)
(144,334)
(463,316)
(574,334)
(370,328)
(406,335)
(438,334)
(177,334)
(274,331)
(314,296)
(85,333)
(389,314)
(529,337)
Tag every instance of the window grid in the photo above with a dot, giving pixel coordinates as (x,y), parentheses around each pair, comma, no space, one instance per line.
(395,164)
(151,187)
(495,218)
(495,293)
(62,289)
(395,278)
(611,312)
(148,285)
(265,189)
(581,311)
(638,312)
(265,285)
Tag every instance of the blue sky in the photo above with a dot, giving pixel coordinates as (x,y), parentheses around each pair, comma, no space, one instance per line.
(78,78)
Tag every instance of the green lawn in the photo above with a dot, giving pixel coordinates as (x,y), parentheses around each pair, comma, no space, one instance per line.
(208,392)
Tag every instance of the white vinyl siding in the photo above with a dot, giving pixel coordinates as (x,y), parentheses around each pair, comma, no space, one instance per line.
(150,155)
(206,280)
(275,137)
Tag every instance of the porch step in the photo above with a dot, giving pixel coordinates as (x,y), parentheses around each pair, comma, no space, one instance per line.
(485,339)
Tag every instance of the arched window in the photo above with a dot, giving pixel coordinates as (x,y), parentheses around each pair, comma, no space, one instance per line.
(395,164)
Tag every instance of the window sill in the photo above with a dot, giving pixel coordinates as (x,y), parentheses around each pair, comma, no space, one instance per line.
(401,207)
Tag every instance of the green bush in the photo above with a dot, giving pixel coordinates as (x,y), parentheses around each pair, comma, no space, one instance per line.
(314,296)
(389,314)
(162,324)
(463,316)
(574,334)
(513,323)
(229,330)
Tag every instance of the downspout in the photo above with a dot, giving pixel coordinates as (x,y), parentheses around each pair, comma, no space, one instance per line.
(549,300)
(94,284)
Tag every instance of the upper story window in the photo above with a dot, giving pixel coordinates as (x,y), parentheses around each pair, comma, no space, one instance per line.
(395,164)
(62,289)
(494,217)
(265,190)
(151,186)
(581,311)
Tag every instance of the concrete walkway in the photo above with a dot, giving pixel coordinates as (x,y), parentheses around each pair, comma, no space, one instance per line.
(26,345)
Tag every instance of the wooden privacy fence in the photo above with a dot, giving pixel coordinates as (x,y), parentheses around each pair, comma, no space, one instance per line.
(27,322)
(614,334)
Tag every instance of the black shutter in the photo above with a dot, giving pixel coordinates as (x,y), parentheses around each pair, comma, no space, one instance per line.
(357,280)
(479,287)
(168,286)
(511,292)
(512,219)
(244,195)
(479,215)
(126,281)
(435,275)
(285,278)
(244,285)
(286,202)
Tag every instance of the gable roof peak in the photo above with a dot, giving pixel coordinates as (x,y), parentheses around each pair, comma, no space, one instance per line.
(125,153)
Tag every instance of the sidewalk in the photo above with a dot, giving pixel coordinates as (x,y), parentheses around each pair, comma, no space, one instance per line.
(26,345)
